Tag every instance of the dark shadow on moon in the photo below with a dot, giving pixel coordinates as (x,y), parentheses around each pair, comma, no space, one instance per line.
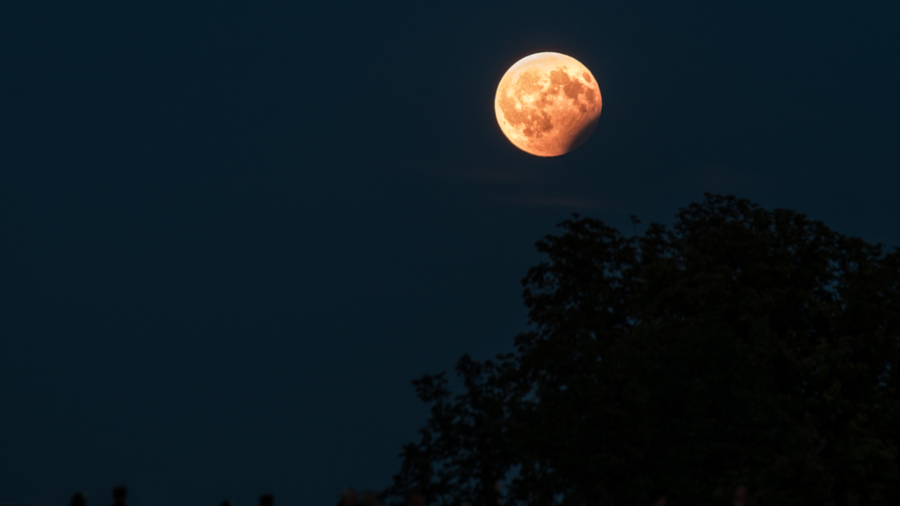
(582,136)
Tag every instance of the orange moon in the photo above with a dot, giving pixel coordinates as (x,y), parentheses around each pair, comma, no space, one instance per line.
(548,104)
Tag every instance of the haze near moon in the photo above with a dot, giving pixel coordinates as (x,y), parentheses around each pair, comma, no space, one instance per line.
(548,104)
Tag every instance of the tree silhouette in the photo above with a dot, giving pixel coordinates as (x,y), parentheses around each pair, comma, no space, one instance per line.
(739,346)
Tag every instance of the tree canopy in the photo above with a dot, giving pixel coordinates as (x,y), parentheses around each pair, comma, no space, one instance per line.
(737,346)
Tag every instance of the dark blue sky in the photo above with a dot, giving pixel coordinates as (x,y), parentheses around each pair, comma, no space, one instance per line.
(232,235)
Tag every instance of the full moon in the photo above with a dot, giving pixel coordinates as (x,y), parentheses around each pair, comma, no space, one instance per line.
(548,104)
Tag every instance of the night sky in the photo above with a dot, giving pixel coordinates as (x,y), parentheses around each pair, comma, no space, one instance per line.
(232,235)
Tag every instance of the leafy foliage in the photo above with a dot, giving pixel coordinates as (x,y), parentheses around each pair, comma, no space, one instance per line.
(739,346)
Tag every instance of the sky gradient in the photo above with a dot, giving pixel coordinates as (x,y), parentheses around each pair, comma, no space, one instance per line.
(232,236)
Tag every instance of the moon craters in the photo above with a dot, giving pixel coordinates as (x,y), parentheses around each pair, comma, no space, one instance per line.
(547,104)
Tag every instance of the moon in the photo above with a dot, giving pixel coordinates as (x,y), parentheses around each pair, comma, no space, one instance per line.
(548,104)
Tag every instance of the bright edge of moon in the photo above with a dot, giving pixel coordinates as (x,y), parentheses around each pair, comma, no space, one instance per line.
(548,104)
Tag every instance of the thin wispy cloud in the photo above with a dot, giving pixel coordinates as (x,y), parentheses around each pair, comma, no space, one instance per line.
(724,179)
(494,176)
(565,202)
(521,187)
